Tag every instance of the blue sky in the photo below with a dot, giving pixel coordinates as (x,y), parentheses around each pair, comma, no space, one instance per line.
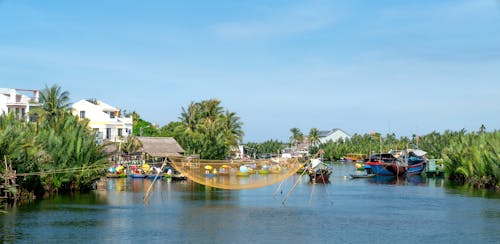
(405,67)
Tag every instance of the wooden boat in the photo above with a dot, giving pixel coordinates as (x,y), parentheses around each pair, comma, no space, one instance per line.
(416,161)
(415,169)
(320,176)
(178,176)
(242,174)
(112,175)
(385,164)
(137,175)
(318,172)
(360,176)
(152,176)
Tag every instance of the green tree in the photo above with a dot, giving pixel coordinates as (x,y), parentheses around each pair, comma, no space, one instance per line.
(131,145)
(55,103)
(314,137)
(297,136)
(205,128)
(142,127)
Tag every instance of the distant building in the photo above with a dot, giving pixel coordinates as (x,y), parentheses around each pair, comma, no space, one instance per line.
(105,119)
(333,135)
(11,100)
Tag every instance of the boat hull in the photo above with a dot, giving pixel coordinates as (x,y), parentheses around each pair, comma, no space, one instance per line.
(138,176)
(320,176)
(416,169)
(386,169)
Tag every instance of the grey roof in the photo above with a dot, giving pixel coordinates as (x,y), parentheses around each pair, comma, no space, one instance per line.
(325,133)
(160,146)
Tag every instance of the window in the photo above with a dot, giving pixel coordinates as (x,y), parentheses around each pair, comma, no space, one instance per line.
(108,133)
(111,115)
(82,114)
(120,131)
(23,112)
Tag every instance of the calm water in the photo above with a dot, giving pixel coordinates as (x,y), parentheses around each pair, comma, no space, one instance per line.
(415,210)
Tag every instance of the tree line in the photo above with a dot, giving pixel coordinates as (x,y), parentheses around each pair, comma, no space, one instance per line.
(64,150)
(56,142)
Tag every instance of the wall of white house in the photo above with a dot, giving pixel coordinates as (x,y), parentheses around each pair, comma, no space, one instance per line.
(18,103)
(335,136)
(108,128)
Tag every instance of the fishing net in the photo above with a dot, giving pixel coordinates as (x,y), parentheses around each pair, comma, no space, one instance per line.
(236,174)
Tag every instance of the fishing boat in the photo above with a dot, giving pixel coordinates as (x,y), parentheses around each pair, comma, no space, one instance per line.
(416,160)
(385,164)
(318,171)
(137,175)
(155,175)
(361,176)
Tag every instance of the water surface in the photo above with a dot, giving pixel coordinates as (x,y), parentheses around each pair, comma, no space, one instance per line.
(379,210)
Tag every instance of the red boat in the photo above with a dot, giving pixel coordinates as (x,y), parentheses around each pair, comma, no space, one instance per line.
(320,176)
(385,164)
(319,172)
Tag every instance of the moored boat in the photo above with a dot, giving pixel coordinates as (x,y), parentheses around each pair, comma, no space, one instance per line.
(357,176)
(385,164)
(137,175)
(416,160)
(319,172)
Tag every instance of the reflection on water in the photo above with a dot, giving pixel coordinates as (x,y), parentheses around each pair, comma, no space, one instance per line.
(184,212)
(414,180)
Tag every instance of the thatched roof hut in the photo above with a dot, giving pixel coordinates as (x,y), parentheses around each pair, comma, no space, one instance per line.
(160,146)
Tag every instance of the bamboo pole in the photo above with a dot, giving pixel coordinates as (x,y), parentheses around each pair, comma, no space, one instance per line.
(293,187)
(146,196)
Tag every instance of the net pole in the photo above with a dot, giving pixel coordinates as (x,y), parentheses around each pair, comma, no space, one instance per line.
(146,196)
(293,187)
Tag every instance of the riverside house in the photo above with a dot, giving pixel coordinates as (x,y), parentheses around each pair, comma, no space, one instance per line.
(12,100)
(107,120)
(332,135)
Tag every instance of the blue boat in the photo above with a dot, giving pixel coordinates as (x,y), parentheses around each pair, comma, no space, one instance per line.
(153,176)
(415,169)
(137,175)
(385,164)
(416,161)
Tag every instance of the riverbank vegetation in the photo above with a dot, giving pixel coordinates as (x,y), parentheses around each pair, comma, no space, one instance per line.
(58,150)
(471,158)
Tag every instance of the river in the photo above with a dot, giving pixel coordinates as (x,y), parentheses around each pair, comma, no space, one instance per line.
(378,210)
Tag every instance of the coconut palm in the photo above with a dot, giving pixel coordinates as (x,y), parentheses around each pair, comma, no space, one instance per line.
(191,116)
(132,144)
(314,137)
(54,101)
(231,126)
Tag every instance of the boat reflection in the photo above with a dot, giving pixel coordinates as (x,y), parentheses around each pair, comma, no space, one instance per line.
(413,180)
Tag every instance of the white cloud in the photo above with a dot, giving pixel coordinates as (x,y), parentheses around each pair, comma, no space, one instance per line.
(280,22)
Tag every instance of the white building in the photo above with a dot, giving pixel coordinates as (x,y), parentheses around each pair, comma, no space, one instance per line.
(11,100)
(105,119)
(333,135)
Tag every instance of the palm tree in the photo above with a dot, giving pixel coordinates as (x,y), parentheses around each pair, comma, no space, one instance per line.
(131,145)
(55,101)
(314,137)
(231,126)
(297,136)
(211,110)
(190,117)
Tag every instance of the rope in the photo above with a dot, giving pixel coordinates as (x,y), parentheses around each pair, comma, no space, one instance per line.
(61,171)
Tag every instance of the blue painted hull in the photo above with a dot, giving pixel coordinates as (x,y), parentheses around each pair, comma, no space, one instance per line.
(415,169)
(380,170)
(138,176)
